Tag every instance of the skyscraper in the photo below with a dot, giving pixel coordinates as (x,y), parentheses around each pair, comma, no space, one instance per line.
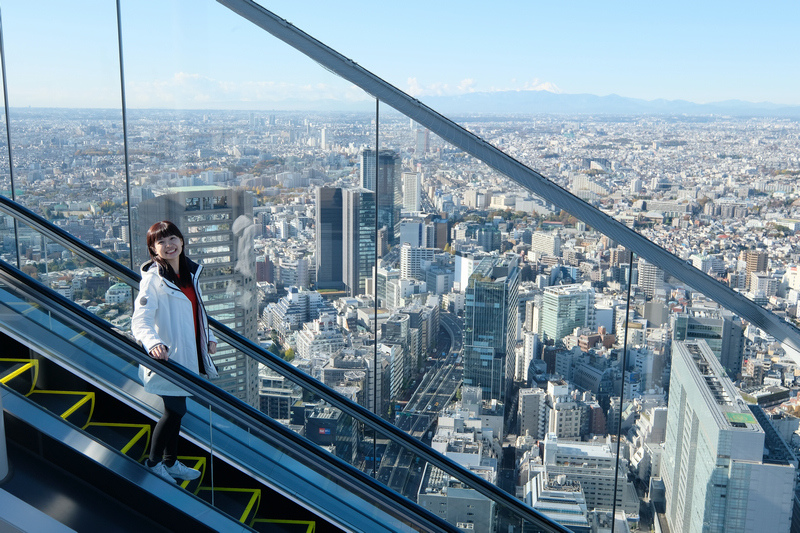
(755,261)
(389,187)
(329,220)
(217,224)
(722,470)
(358,239)
(651,278)
(423,139)
(566,307)
(490,327)
(412,191)
(722,330)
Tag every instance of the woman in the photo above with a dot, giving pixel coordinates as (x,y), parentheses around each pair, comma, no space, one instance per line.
(169,300)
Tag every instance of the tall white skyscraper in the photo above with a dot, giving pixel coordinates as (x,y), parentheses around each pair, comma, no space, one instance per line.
(411,260)
(723,471)
(651,278)
(412,191)
(532,412)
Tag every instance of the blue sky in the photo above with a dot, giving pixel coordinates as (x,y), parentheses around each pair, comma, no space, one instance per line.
(181,53)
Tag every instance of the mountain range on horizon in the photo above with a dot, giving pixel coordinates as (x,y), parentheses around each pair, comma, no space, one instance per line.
(515,102)
(546,102)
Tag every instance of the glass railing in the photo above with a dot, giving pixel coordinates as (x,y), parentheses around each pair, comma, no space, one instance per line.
(238,157)
(330,421)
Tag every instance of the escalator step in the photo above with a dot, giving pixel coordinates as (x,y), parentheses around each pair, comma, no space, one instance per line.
(76,407)
(19,374)
(131,439)
(239,503)
(283,526)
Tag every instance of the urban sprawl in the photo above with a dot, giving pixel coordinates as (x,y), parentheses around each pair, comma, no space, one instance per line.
(493,325)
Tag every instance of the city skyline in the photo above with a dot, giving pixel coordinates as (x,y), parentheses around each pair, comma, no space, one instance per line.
(202,56)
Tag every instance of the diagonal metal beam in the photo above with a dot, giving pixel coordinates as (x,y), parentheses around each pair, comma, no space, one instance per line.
(521,174)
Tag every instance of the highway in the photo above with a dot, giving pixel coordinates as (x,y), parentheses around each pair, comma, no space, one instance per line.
(399,468)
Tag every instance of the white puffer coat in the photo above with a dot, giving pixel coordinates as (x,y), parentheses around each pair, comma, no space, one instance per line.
(162,314)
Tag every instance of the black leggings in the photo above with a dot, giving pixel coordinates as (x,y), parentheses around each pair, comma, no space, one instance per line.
(164,445)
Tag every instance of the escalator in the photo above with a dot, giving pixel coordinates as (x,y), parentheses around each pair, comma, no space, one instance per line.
(72,400)
(50,406)
(78,424)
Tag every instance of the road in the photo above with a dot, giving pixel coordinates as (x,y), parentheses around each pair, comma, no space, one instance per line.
(399,468)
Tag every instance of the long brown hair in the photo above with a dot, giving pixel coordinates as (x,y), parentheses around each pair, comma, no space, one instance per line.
(162,230)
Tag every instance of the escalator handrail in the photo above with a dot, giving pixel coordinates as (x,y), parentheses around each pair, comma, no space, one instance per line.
(276,363)
(63,237)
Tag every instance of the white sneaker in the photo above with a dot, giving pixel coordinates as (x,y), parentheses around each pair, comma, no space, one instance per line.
(161,470)
(181,471)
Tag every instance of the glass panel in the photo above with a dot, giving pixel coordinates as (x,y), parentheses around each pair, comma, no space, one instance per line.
(8,250)
(606,407)
(62,64)
(232,152)
(489,292)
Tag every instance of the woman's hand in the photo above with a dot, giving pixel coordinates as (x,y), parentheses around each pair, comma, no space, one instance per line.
(212,348)
(160,351)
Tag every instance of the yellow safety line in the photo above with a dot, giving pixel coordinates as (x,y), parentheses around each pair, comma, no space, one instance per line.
(17,372)
(29,307)
(144,430)
(87,397)
(77,336)
(30,361)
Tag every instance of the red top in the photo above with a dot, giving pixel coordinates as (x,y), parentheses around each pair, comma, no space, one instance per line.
(190,293)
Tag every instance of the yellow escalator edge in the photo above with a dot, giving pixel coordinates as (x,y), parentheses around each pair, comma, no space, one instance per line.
(144,429)
(34,362)
(30,363)
(86,397)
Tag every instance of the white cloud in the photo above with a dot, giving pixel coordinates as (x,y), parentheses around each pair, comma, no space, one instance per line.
(469,85)
(186,89)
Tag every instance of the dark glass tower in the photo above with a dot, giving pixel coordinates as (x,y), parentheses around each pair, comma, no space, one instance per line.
(330,242)
(490,327)
(389,188)
(359,239)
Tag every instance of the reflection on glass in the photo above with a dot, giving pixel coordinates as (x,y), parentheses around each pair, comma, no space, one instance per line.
(66,121)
